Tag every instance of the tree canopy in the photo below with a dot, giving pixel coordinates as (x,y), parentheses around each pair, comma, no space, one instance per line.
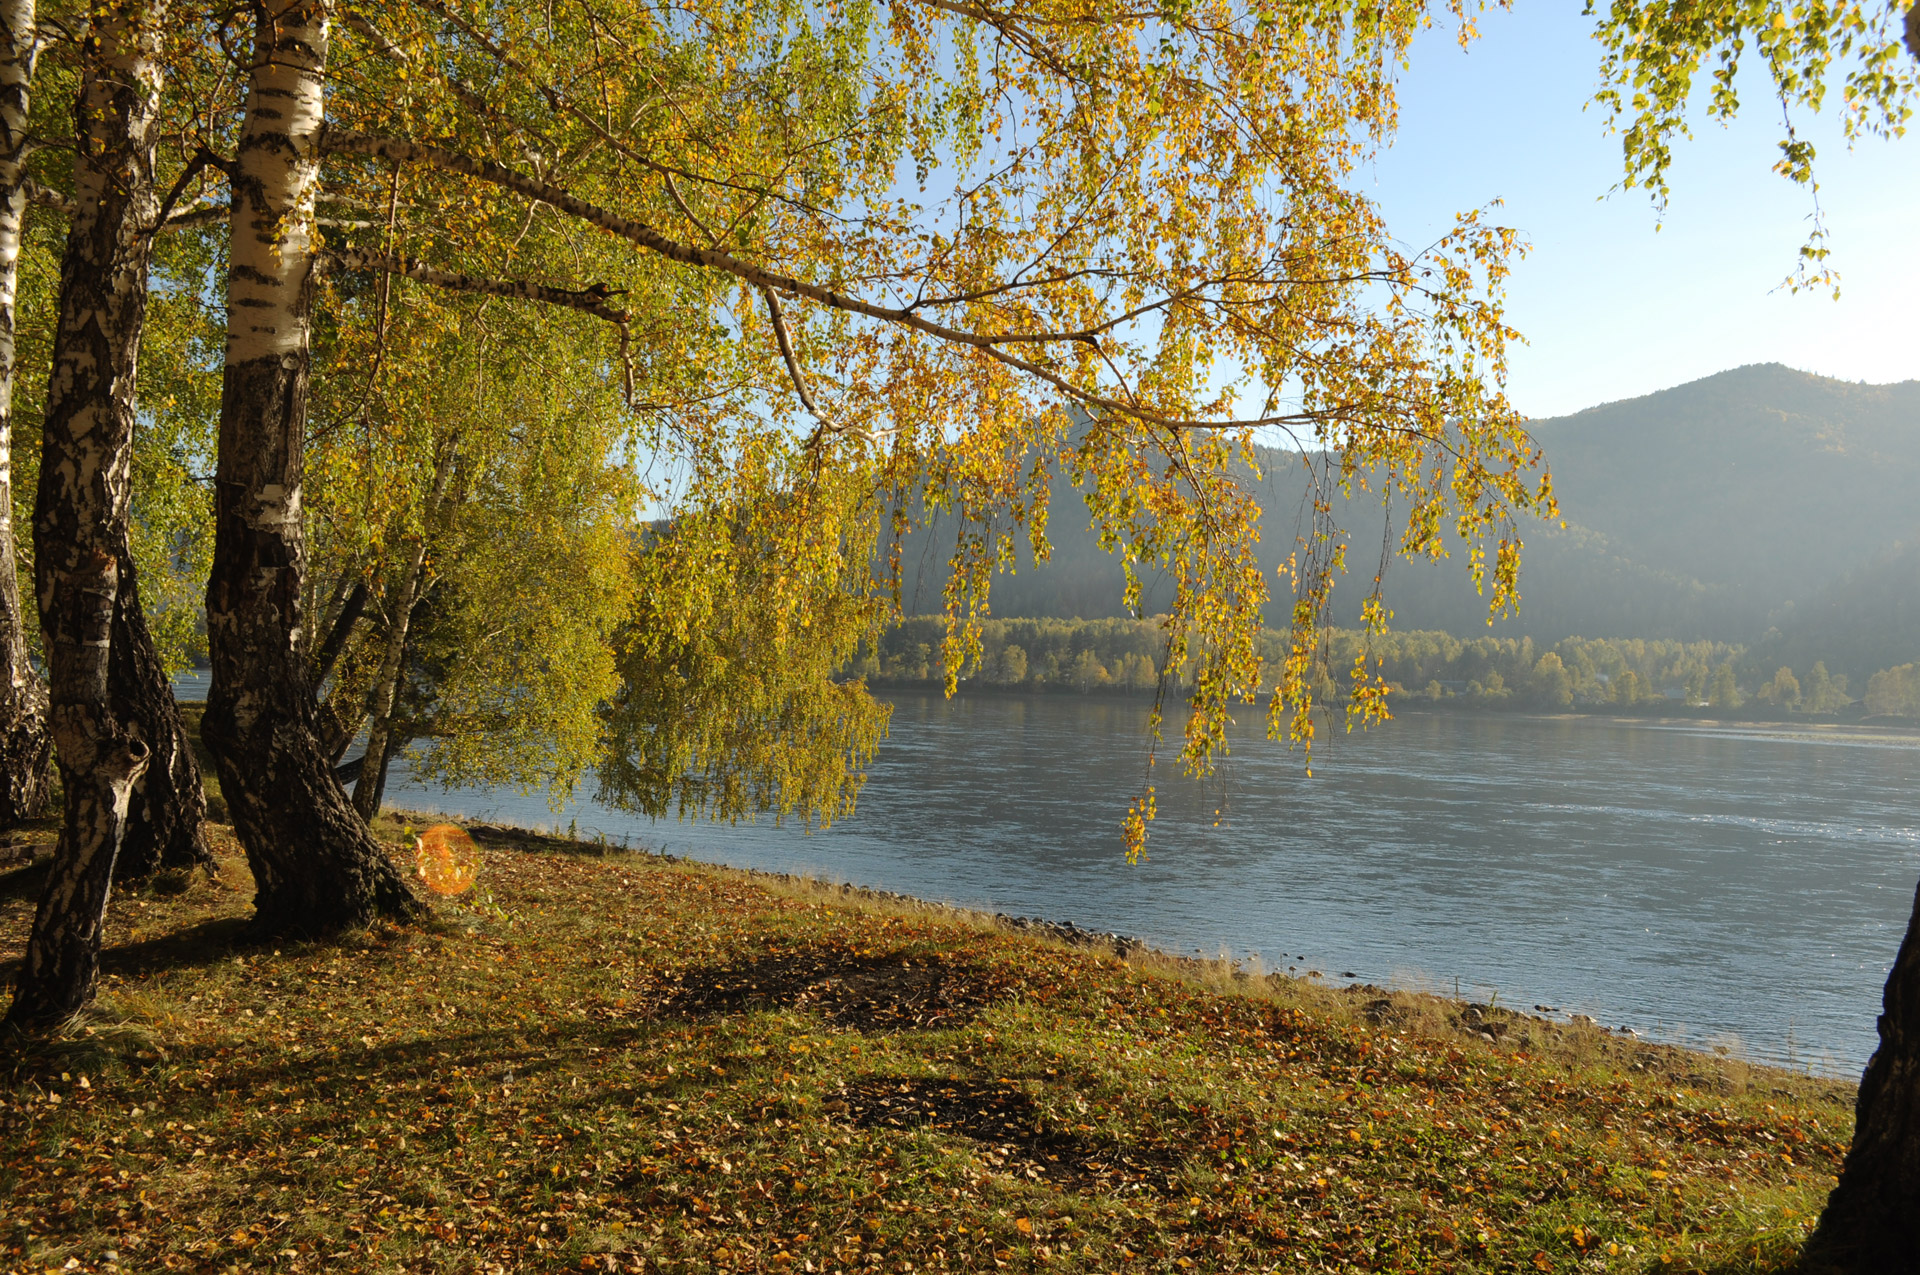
(582,371)
(945,252)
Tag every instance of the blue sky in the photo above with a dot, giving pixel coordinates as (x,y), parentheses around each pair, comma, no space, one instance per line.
(1611,309)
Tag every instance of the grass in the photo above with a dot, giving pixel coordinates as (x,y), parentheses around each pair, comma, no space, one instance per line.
(615,1062)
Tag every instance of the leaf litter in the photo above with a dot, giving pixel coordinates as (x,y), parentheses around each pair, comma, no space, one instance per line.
(626,1063)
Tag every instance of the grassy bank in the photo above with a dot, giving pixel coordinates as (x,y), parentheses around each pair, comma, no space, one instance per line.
(605,1061)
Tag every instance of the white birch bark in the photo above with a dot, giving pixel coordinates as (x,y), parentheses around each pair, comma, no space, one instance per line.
(80,516)
(315,866)
(25,748)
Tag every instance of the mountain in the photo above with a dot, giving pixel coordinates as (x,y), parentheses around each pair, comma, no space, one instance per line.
(1760,499)
(1866,620)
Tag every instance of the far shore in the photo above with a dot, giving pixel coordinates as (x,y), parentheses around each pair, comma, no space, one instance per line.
(1655,714)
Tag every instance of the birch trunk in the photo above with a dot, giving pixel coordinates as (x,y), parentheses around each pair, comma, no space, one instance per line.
(315,865)
(166,823)
(167,815)
(80,517)
(1872,1219)
(26,751)
(372,783)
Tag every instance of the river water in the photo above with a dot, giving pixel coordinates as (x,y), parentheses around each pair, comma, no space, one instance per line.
(1741,886)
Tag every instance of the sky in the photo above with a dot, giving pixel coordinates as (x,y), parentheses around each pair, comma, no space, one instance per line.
(1612,308)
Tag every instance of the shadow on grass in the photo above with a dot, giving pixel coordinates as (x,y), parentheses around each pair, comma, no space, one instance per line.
(892,991)
(24,883)
(568,1065)
(199,944)
(501,837)
(1002,1118)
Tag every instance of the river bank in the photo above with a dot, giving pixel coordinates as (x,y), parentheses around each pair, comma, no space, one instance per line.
(615,1061)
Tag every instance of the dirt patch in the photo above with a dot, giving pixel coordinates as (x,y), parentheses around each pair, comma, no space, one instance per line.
(895,991)
(1014,1138)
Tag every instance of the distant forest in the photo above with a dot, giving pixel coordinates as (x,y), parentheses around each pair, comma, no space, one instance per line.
(1421,668)
(1761,519)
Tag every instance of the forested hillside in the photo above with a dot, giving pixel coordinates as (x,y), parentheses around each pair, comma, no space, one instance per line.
(1762,506)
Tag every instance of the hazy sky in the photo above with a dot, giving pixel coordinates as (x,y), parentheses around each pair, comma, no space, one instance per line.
(1611,309)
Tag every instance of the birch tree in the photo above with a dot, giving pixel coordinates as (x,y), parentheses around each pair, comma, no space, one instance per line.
(316,866)
(83,574)
(166,814)
(26,750)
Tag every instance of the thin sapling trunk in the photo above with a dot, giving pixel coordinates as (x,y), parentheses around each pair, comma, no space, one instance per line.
(372,781)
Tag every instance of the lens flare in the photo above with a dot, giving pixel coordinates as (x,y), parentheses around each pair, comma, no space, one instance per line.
(447,859)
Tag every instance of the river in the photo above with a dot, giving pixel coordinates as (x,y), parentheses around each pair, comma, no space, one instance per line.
(1735,886)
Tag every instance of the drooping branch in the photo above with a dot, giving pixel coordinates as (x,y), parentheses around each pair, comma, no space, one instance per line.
(1010,29)
(402,151)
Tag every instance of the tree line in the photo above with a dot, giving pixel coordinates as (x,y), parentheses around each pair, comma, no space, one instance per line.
(1417,668)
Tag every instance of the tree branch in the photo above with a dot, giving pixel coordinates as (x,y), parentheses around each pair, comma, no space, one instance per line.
(559,104)
(46,196)
(204,215)
(202,160)
(588,300)
(1010,29)
(337,637)
(376,37)
(786,349)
